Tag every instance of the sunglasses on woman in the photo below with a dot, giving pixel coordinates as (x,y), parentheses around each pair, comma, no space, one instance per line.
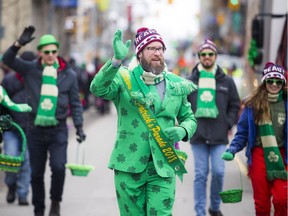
(274,81)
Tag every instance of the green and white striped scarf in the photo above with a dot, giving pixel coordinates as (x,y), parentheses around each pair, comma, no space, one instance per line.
(274,163)
(206,102)
(48,98)
(151,79)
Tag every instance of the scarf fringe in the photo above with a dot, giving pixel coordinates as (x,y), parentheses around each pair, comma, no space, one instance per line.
(204,112)
(277,174)
(45,121)
(182,88)
(138,97)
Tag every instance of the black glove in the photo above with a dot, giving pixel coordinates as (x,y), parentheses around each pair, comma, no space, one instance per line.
(80,134)
(26,36)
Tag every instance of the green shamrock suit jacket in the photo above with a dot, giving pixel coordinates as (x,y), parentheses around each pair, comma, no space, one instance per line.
(134,143)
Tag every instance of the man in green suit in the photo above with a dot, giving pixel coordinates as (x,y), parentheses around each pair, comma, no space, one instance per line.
(153,114)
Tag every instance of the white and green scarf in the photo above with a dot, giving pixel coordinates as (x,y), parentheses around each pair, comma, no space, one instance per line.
(151,79)
(206,102)
(48,99)
(274,163)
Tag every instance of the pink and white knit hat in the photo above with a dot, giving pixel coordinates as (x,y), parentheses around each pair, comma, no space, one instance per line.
(145,36)
(207,44)
(273,71)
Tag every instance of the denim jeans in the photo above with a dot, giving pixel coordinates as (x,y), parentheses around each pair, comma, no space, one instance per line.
(12,146)
(43,141)
(201,153)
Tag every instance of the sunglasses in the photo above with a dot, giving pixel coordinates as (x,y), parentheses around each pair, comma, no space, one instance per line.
(47,52)
(203,54)
(274,81)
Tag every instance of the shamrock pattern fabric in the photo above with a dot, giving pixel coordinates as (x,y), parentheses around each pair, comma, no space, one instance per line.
(134,146)
(132,203)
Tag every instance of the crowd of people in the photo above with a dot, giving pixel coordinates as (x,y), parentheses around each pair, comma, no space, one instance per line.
(156,109)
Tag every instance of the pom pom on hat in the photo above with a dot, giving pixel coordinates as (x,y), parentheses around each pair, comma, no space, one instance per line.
(207,44)
(145,36)
(273,71)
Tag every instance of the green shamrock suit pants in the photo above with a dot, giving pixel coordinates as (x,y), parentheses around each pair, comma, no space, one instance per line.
(153,196)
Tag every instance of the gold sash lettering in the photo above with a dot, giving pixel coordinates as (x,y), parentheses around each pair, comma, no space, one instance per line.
(126,79)
(151,122)
(168,152)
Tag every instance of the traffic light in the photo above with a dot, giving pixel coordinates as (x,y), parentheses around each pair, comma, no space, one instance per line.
(255,55)
(258,31)
(234,5)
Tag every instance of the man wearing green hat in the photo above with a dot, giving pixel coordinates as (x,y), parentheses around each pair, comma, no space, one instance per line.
(52,88)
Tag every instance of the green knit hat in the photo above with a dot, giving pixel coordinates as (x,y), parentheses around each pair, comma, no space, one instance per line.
(46,40)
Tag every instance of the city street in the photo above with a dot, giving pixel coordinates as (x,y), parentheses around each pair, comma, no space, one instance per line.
(94,195)
(228,48)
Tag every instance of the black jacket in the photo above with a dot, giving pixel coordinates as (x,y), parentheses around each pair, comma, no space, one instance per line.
(215,131)
(68,93)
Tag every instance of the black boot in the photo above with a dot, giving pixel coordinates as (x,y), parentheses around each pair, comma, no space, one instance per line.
(215,213)
(22,201)
(11,195)
(55,208)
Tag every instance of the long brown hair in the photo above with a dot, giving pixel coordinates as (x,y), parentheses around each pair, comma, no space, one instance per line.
(258,101)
